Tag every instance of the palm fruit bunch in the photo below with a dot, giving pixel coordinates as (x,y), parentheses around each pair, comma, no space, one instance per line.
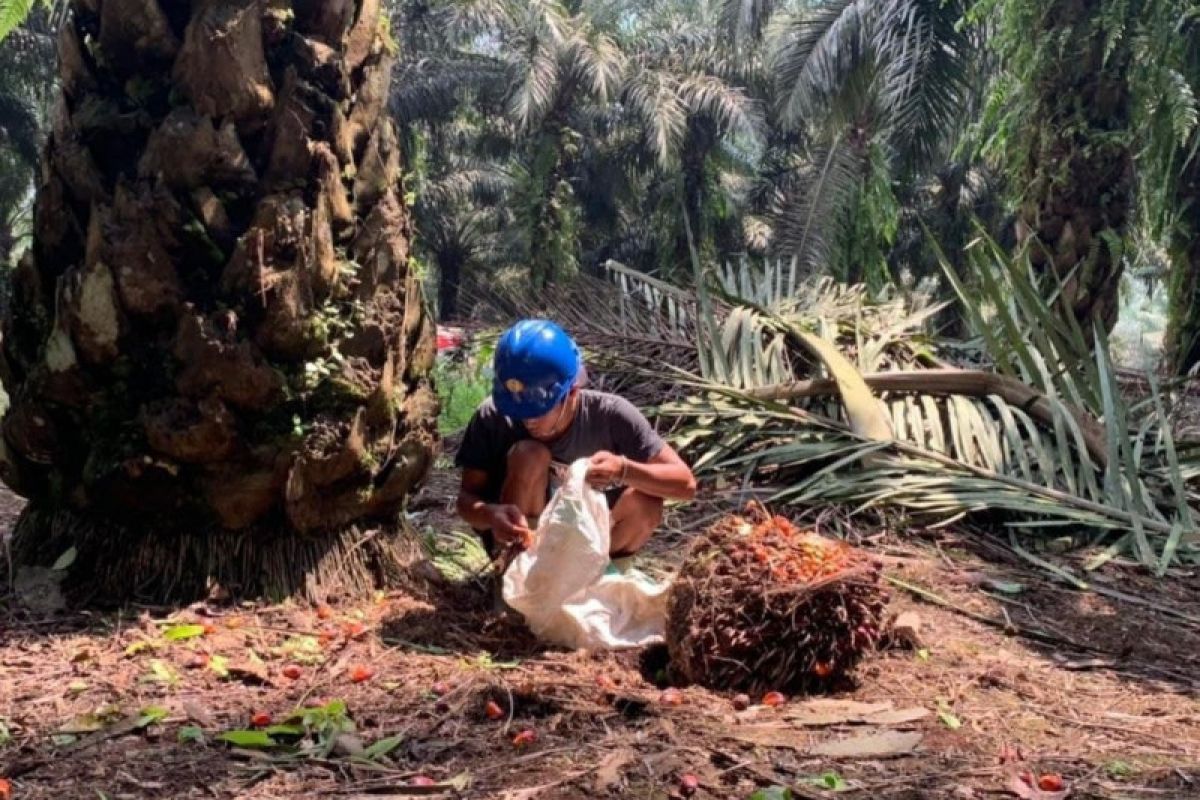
(761,604)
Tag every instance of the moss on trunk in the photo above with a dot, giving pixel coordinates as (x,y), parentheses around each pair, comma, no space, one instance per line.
(1078,170)
(1182,338)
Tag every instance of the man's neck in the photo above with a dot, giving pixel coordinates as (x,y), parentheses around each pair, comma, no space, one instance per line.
(570,412)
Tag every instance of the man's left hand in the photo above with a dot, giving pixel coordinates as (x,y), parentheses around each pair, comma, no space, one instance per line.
(605,469)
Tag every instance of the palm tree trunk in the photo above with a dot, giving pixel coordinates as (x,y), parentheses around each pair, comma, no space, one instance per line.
(1078,168)
(1182,339)
(218,353)
(553,213)
(697,195)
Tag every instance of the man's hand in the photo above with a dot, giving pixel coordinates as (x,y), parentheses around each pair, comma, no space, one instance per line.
(605,469)
(509,525)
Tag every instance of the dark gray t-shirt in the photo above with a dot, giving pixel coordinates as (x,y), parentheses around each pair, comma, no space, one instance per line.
(604,422)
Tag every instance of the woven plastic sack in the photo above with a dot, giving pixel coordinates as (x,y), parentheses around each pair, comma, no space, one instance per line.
(562,584)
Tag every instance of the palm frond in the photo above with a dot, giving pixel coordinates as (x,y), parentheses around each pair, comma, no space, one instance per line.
(734,112)
(466,19)
(536,82)
(926,58)
(483,184)
(545,20)
(537,40)
(1023,335)
(902,66)
(951,456)
(652,95)
(768,284)
(961,442)
(810,201)
(432,88)
(745,21)
(596,60)
(813,54)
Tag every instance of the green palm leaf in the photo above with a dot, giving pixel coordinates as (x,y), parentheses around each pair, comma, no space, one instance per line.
(733,111)
(814,53)
(810,202)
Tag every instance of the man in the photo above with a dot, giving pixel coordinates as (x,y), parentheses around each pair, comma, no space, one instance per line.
(540,415)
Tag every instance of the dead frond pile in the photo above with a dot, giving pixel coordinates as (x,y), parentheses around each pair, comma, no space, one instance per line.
(762,605)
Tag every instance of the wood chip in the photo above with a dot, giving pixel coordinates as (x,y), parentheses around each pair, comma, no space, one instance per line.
(906,630)
(872,745)
(250,673)
(820,713)
(776,735)
(899,716)
(610,769)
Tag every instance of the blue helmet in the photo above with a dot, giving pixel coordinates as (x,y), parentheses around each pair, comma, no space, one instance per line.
(536,365)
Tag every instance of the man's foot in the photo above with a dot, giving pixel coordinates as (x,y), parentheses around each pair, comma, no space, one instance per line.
(620,565)
(499,607)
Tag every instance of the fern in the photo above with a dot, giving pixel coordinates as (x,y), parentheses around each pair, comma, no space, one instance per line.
(13,14)
(1180,104)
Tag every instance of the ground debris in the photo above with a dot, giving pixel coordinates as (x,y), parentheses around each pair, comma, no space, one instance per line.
(1127,725)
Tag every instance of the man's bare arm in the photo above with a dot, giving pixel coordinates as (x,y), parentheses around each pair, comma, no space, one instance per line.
(666,475)
(505,521)
(470,504)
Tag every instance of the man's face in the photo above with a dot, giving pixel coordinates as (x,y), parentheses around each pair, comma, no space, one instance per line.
(555,422)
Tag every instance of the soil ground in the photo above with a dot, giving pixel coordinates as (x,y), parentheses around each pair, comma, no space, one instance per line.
(1098,687)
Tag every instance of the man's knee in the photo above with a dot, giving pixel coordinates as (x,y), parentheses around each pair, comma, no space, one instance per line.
(528,456)
(634,522)
(648,509)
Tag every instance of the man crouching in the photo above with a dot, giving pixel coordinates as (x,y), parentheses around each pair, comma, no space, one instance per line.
(539,416)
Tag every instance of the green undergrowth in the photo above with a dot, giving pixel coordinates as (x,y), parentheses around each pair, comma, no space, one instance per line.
(461,386)
(457,555)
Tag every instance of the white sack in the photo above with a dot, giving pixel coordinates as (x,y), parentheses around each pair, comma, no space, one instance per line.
(559,585)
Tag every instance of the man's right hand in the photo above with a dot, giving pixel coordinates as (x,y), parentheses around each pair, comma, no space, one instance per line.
(509,525)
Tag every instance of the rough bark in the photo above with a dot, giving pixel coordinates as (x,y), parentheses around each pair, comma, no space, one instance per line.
(1079,167)
(1182,338)
(217,353)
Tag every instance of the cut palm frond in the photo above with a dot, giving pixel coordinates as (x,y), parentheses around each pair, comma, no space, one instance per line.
(952,456)
(940,443)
